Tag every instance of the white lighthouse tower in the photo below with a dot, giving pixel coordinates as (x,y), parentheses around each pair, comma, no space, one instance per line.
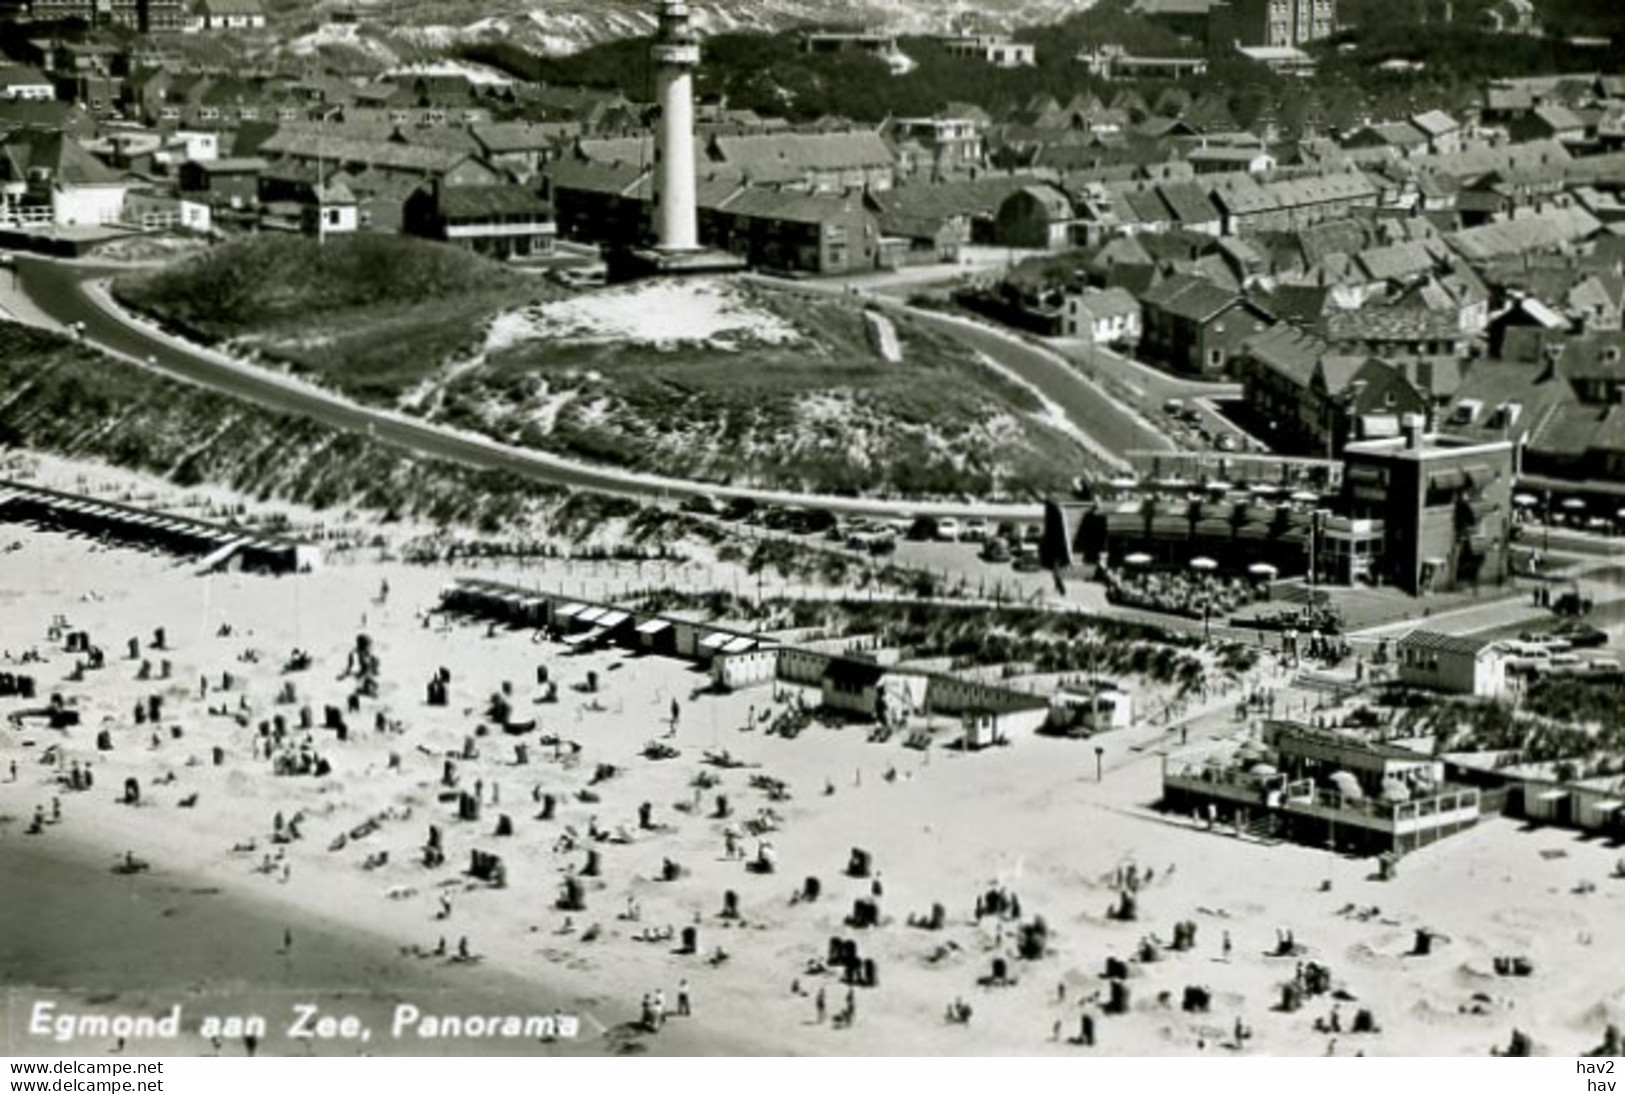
(676,54)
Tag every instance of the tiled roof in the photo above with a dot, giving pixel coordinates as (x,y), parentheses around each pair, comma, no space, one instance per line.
(1392,325)
(776,205)
(1397,261)
(785,157)
(1107,303)
(19,75)
(478,202)
(1189,203)
(639,151)
(1289,351)
(1304,305)
(1435,123)
(27,150)
(306,144)
(1434,642)
(1574,429)
(1558,118)
(603,178)
(1596,356)
(1190,298)
(1552,228)
(498,137)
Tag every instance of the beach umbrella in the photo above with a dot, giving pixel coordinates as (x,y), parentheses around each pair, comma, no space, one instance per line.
(1524,500)
(1262,769)
(1262,488)
(1204,564)
(1574,505)
(1138,558)
(1347,785)
(1262,569)
(1123,483)
(1305,495)
(1221,487)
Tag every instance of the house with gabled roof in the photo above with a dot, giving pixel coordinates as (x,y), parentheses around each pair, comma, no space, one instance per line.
(1195,326)
(940,219)
(1459,664)
(1037,215)
(47,177)
(215,15)
(1552,121)
(1104,316)
(1442,132)
(1401,139)
(825,163)
(1314,397)
(501,221)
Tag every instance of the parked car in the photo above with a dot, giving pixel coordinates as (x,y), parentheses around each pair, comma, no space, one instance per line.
(700,506)
(1581,635)
(924,528)
(995,550)
(948,529)
(974,531)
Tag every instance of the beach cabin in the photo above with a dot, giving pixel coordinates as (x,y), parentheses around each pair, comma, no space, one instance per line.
(850,686)
(1547,804)
(657,636)
(1459,664)
(745,668)
(982,730)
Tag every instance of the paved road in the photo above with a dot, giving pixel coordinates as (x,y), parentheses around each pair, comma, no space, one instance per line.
(1115,427)
(64,294)
(1111,428)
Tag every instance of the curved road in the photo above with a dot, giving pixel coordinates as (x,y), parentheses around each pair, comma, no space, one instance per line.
(1113,428)
(62,292)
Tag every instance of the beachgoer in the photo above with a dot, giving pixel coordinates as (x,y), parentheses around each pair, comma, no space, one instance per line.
(683,1002)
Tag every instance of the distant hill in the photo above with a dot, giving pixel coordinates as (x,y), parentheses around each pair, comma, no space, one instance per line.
(563,26)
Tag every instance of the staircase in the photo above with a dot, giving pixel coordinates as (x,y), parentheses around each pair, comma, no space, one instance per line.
(1261,828)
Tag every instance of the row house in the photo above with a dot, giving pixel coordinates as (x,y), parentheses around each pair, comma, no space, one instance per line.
(1291,204)
(1197,327)
(502,221)
(819,163)
(811,233)
(217,15)
(1313,399)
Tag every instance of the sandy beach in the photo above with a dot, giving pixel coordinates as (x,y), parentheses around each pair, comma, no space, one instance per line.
(212,916)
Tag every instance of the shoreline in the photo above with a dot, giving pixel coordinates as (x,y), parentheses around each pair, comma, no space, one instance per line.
(361,896)
(88,940)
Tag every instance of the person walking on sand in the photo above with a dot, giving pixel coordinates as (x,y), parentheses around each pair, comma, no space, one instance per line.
(683,1003)
(820,1005)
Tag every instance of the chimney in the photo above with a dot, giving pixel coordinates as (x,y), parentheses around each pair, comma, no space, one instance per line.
(1410,427)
